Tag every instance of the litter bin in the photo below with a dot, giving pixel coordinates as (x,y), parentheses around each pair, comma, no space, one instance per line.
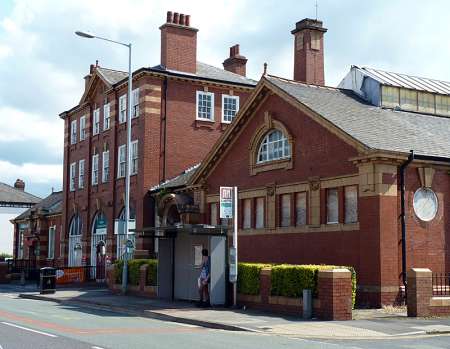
(47,280)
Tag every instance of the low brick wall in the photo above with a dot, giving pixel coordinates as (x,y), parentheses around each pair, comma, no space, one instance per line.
(141,290)
(333,303)
(420,299)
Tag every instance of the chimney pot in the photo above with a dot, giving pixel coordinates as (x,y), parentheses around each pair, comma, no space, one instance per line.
(236,49)
(235,63)
(169,16)
(91,69)
(187,20)
(181,19)
(19,184)
(176,18)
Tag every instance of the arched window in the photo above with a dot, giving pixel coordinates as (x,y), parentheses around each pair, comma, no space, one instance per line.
(99,223)
(75,226)
(274,146)
(122,214)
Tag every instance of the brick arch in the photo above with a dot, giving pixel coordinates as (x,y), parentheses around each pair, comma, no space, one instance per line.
(269,124)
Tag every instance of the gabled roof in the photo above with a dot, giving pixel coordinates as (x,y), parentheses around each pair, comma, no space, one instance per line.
(13,196)
(51,205)
(207,71)
(111,76)
(367,127)
(178,181)
(407,81)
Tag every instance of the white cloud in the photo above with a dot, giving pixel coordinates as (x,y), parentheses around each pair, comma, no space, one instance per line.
(31,173)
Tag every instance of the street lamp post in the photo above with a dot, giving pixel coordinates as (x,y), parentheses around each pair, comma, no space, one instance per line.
(128,152)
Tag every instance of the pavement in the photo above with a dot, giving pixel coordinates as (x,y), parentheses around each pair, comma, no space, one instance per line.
(371,324)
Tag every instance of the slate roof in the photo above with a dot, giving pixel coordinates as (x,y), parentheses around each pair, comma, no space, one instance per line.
(50,205)
(178,181)
(210,72)
(112,76)
(11,195)
(375,127)
(407,81)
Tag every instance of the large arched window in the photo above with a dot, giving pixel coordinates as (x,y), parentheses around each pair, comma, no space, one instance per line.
(274,146)
(75,226)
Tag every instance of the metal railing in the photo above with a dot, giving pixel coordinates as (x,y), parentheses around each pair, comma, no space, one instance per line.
(441,284)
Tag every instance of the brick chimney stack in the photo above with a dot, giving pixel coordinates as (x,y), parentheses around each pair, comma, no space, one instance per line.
(235,63)
(19,184)
(179,43)
(308,52)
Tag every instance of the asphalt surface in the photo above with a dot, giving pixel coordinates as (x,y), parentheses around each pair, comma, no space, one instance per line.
(38,324)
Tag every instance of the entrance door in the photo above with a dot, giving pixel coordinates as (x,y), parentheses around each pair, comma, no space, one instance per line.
(187,265)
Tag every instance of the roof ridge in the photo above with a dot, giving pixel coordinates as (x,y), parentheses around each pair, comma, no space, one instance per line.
(120,71)
(20,191)
(305,84)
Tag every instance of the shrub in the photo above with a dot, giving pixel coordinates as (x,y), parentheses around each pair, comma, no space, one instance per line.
(134,266)
(248,278)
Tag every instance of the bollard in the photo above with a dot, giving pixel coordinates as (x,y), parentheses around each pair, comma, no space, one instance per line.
(22,278)
(307,304)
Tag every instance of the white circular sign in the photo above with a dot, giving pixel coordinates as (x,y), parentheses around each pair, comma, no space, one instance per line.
(425,204)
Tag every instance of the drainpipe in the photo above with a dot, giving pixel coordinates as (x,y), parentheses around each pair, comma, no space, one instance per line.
(402,213)
(164,131)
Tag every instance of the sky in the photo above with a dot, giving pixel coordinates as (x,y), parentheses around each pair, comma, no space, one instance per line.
(42,62)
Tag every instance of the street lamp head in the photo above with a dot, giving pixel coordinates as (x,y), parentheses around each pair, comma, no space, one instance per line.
(84,34)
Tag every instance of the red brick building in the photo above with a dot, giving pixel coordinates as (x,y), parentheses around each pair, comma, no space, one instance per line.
(320,171)
(180,108)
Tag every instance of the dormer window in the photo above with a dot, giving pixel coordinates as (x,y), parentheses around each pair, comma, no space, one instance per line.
(275,146)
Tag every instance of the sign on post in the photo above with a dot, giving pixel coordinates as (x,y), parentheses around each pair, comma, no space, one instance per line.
(226,202)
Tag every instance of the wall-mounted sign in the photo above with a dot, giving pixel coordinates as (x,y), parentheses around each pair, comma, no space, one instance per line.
(226,202)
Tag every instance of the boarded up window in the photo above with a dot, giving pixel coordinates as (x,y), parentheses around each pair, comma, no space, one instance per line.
(408,99)
(259,213)
(315,41)
(285,210)
(247,222)
(426,102)
(332,206)
(299,41)
(213,213)
(351,204)
(390,96)
(300,209)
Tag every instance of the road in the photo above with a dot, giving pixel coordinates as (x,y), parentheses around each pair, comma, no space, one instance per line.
(38,324)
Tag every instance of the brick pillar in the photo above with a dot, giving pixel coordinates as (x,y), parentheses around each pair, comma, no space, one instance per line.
(265,284)
(335,294)
(419,291)
(142,277)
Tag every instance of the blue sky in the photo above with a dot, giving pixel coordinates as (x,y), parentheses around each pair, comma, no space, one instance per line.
(42,63)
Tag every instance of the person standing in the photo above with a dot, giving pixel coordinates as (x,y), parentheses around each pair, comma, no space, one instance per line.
(204,279)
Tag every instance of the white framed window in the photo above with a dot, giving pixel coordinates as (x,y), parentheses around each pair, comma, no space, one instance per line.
(105,166)
(135,103)
(274,146)
(73,170)
(51,242)
(285,210)
(230,107)
(247,213)
(73,132)
(122,156)
(332,206)
(96,122)
(122,109)
(351,204)
(213,213)
(134,157)
(205,105)
(425,204)
(83,128)
(259,219)
(95,169)
(300,209)
(81,174)
(106,116)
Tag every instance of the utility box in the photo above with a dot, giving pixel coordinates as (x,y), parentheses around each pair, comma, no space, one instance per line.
(47,280)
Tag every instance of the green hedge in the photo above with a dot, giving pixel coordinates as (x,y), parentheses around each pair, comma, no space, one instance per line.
(287,280)
(134,266)
(248,278)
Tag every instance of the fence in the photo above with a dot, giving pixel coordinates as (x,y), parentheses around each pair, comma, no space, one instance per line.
(441,284)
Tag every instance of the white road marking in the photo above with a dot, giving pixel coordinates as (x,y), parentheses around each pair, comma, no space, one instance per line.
(29,329)
(94,347)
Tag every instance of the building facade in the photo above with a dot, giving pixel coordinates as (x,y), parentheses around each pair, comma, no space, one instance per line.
(179,110)
(320,173)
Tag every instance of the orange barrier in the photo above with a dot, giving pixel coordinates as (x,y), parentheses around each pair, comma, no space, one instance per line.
(70,275)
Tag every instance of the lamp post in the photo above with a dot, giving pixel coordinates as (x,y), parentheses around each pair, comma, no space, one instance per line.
(128,151)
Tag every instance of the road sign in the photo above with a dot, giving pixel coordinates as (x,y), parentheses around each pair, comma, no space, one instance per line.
(226,202)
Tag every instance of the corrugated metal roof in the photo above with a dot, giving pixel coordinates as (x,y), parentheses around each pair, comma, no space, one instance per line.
(407,81)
